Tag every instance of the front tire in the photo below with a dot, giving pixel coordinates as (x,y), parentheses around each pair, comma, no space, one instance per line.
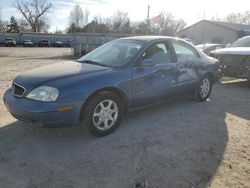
(203,89)
(102,113)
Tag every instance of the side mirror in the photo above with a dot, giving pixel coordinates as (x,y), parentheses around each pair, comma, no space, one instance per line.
(146,63)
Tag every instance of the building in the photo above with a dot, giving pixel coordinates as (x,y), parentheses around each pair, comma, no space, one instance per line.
(206,31)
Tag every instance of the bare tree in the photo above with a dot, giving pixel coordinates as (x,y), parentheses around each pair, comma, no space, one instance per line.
(240,18)
(24,25)
(1,22)
(167,24)
(0,14)
(34,11)
(3,25)
(43,25)
(78,17)
(120,22)
(163,24)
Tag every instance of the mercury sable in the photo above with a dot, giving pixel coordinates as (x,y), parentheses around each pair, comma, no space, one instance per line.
(96,90)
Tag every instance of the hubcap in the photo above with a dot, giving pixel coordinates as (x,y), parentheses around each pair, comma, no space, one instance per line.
(105,115)
(204,88)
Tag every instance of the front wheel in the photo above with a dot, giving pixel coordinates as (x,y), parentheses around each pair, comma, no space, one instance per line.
(203,89)
(102,113)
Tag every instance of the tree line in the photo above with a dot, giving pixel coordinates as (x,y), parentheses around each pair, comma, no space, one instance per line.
(35,19)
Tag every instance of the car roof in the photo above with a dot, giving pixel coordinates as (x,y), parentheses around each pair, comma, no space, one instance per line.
(209,45)
(150,38)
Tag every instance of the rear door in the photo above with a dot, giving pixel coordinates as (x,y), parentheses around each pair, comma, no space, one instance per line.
(187,60)
(157,81)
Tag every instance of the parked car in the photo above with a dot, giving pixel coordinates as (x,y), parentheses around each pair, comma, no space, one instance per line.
(207,48)
(58,44)
(234,61)
(69,42)
(191,41)
(97,89)
(28,43)
(44,43)
(10,42)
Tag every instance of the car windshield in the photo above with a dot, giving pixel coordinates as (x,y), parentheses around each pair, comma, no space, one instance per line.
(113,54)
(27,41)
(242,42)
(9,39)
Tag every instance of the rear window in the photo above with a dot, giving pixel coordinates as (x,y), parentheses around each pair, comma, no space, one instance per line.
(242,42)
(184,51)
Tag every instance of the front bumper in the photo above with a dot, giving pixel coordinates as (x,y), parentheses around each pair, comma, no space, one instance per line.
(42,113)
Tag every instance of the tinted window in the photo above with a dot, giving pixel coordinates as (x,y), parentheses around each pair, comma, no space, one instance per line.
(159,53)
(184,51)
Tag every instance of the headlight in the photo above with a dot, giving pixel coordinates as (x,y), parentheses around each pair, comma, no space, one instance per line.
(44,93)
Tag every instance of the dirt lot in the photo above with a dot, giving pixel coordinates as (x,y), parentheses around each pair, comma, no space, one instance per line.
(176,144)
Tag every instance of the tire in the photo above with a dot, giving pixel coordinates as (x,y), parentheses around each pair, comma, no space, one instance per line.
(92,115)
(203,89)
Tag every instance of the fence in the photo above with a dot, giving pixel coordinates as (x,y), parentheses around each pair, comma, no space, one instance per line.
(85,42)
(81,43)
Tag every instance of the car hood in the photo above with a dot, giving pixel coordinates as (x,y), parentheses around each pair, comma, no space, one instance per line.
(232,51)
(50,73)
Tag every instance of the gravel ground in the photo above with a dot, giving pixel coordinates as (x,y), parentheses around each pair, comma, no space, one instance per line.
(174,144)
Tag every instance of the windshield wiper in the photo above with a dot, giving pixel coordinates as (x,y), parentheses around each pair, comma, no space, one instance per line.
(92,62)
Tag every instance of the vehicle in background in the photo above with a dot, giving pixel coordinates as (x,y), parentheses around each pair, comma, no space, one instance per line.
(28,43)
(44,43)
(96,90)
(10,42)
(207,48)
(191,41)
(69,42)
(58,44)
(234,61)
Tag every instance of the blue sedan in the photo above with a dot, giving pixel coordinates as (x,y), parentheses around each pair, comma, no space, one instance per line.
(99,88)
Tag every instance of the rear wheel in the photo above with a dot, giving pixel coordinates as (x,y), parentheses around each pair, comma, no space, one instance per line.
(203,89)
(102,113)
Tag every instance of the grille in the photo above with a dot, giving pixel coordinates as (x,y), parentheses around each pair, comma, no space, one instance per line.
(18,90)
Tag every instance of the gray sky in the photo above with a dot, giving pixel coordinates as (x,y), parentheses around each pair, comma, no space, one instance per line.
(189,10)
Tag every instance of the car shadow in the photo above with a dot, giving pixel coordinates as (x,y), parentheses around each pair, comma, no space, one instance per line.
(175,144)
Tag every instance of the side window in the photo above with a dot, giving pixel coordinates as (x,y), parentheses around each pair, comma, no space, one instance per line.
(184,51)
(159,53)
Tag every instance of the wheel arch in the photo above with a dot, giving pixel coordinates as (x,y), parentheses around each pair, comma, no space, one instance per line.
(211,76)
(121,94)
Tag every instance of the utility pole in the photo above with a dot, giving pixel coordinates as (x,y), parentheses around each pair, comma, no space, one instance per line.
(204,26)
(148,19)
